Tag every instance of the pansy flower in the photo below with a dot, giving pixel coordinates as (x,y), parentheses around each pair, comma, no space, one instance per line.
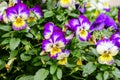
(103,21)
(54,44)
(80,26)
(62,57)
(116,38)
(18,14)
(107,49)
(3,6)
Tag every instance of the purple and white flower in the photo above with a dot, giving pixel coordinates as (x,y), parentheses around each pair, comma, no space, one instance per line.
(107,49)
(18,14)
(54,44)
(81,27)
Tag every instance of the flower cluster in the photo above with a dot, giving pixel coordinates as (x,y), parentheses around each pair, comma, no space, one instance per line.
(55,43)
(55,40)
(18,13)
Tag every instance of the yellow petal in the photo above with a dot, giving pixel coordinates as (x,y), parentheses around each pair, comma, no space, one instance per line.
(79,62)
(105,59)
(54,51)
(62,61)
(19,22)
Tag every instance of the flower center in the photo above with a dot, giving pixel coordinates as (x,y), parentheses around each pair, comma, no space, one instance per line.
(31,19)
(83,33)
(19,22)
(55,50)
(106,58)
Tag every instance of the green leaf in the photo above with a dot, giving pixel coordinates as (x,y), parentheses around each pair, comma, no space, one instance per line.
(29,77)
(116,73)
(6,35)
(25,57)
(5,27)
(41,74)
(99,76)
(48,14)
(14,42)
(50,4)
(117,62)
(59,73)
(54,77)
(88,69)
(5,41)
(106,75)
(29,35)
(53,69)
(2,64)
(13,54)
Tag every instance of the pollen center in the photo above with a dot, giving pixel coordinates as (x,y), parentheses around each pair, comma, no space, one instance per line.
(106,57)
(83,33)
(19,22)
(31,19)
(55,50)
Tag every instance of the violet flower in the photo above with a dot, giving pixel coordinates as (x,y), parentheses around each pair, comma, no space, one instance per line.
(17,15)
(103,21)
(80,26)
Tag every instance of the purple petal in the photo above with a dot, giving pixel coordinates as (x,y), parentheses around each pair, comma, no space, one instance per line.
(82,9)
(22,10)
(37,10)
(49,28)
(119,15)
(83,19)
(103,21)
(99,23)
(117,42)
(110,23)
(114,36)
(1,17)
(46,45)
(11,13)
(58,38)
(73,24)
